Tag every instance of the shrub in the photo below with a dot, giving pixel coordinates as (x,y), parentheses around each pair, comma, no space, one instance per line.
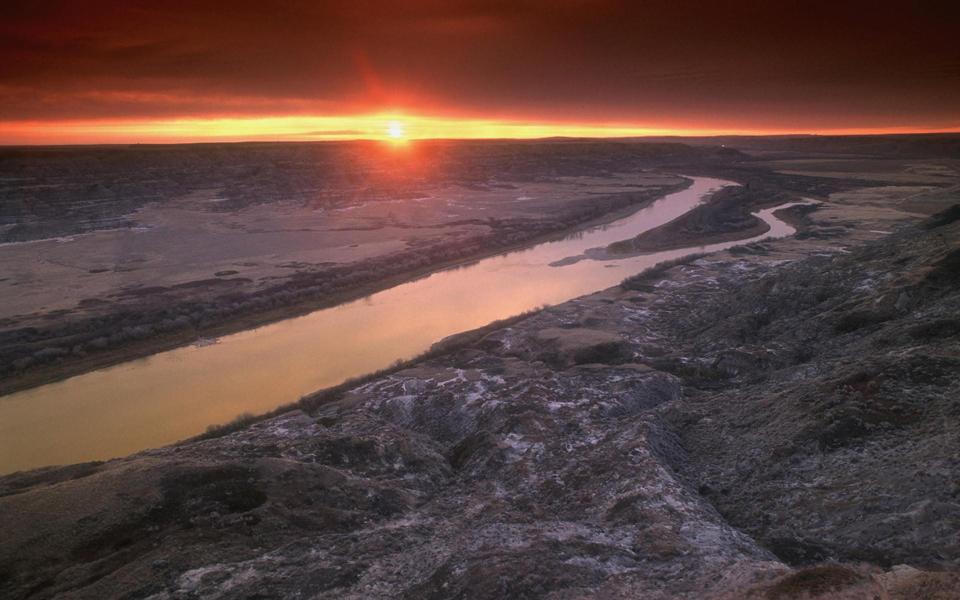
(642,279)
(814,581)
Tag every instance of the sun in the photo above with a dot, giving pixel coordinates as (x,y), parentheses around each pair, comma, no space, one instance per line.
(395,130)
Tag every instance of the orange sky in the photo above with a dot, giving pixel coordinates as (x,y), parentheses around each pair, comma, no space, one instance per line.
(101,71)
(396,127)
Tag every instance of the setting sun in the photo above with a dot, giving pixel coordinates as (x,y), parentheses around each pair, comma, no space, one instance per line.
(395,130)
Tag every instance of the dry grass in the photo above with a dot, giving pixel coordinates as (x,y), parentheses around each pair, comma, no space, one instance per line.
(814,581)
(928,586)
(655,273)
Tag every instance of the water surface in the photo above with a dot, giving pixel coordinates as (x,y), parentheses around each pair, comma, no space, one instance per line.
(172,395)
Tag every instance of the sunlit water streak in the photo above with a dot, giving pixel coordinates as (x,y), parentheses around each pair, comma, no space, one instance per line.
(172,395)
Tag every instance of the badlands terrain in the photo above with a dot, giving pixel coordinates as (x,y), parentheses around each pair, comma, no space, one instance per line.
(778,420)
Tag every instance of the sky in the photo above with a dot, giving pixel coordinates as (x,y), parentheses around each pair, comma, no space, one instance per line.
(97,71)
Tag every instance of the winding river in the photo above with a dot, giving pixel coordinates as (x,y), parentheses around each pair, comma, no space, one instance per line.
(173,395)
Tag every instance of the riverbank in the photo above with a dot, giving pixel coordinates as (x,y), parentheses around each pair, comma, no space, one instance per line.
(177,394)
(678,441)
(727,216)
(71,365)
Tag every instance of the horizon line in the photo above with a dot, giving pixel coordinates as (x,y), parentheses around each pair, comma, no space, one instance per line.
(378,140)
(397,127)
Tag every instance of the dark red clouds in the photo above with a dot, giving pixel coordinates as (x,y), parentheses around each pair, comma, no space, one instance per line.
(750,64)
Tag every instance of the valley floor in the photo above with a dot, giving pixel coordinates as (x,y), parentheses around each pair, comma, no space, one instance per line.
(775,421)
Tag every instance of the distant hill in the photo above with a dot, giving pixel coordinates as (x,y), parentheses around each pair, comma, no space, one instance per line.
(938,145)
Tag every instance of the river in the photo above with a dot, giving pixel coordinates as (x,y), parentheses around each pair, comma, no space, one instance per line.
(173,395)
